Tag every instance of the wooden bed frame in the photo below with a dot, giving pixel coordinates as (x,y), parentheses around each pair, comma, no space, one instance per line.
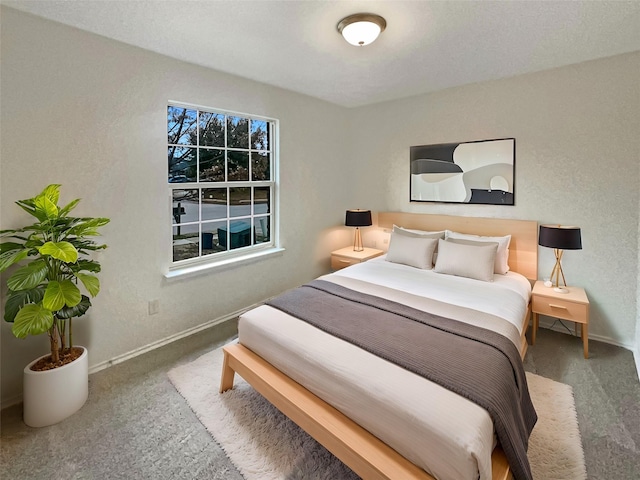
(364,453)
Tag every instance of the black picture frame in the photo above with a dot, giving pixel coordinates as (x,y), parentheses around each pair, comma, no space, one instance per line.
(480,172)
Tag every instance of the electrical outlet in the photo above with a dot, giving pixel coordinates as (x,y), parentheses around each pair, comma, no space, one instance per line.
(385,241)
(154,307)
(375,244)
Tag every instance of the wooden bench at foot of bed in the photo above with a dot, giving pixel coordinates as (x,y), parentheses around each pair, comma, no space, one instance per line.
(364,453)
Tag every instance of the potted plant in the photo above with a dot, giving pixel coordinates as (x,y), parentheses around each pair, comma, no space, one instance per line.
(44,296)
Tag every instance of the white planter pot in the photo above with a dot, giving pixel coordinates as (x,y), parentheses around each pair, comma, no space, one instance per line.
(53,395)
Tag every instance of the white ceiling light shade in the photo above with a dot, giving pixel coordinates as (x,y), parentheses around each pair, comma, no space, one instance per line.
(361,28)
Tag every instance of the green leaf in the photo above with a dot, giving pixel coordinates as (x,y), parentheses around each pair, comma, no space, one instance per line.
(29,276)
(70,206)
(59,294)
(85,265)
(34,241)
(6,246)
(44,206)
(16,300)
(88,227)
(52,192)
(10,257)
(29,207)
(32,319)
(77,311)
(91,283)
(60,250)
(82,245)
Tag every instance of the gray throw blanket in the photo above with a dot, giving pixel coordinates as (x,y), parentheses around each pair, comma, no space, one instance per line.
(478,364)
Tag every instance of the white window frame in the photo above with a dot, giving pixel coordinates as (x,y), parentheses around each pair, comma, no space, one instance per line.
(241,255)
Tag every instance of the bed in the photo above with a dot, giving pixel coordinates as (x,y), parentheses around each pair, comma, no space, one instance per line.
(319,381)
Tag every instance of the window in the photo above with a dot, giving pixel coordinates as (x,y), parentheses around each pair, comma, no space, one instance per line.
(221,177)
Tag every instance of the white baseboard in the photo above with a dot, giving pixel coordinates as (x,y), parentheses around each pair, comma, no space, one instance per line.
(9,402)
(147,348)
(544,323)
(167,340)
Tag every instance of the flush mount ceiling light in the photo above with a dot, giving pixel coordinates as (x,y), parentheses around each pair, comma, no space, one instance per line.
(361,28)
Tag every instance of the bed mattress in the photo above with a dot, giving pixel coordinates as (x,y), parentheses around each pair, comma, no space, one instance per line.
(445,434)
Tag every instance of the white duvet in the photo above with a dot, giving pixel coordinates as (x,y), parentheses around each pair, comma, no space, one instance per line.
(445,434)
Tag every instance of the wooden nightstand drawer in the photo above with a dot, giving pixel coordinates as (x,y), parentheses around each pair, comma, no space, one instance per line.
(558,308)
(340,262)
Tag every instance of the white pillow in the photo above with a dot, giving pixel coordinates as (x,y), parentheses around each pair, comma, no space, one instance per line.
(471,261)
(471,242)
(502,255)
(423,234)
(413,251)
(418,233)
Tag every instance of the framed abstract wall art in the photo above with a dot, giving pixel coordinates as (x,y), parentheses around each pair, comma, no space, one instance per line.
(478,172)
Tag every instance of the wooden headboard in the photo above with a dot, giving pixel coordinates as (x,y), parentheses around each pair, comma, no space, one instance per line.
(523,249)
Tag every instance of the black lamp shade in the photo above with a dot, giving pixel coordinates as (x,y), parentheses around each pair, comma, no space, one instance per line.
(358,218)
(560,237)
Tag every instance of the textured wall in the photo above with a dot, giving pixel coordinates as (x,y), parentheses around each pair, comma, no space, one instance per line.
(577,152)
(90,113)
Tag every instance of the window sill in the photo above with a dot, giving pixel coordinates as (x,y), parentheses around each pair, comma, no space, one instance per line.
(223,264)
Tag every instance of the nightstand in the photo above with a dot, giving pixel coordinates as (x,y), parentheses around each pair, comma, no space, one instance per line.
(347,256)
(572,306)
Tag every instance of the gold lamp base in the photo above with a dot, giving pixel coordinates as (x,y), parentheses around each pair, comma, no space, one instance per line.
(357,241)
(557,272)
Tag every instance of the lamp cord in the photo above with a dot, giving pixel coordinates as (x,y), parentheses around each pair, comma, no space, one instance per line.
(561,323)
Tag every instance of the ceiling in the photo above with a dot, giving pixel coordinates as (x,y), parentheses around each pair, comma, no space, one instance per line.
(427,46)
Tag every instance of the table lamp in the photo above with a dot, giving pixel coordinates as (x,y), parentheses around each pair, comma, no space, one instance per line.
(559,238)
(358,218)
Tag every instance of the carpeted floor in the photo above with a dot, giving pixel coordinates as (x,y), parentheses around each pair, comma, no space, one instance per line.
(266,445)
(136,425)
(607,397)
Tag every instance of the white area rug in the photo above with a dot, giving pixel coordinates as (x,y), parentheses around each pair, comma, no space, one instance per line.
(264,444)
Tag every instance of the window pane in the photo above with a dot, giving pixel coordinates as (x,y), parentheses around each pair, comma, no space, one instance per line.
(237,132)
(181,126)
(260,166)
(185,242)
(185,206)
(239,202)
(261,200)
(182,164)
(211,129)
(214,203)
(238,166)
(239,233)
(214,237)
(262,229)
(259,135)
(211,165)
